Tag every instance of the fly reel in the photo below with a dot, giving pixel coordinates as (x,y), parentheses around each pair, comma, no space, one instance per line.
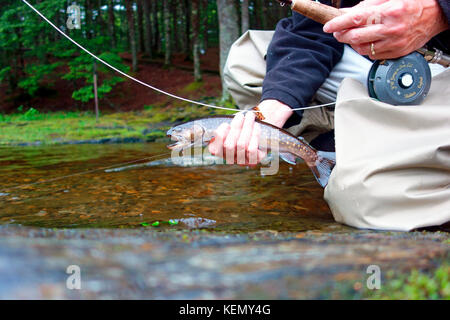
(403,81)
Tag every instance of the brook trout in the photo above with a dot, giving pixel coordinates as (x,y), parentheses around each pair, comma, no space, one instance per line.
(202,131)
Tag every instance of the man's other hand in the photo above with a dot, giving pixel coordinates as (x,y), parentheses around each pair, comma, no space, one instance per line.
(395,27)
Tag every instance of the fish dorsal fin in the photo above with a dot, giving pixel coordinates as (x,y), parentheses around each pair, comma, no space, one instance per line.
(288,157)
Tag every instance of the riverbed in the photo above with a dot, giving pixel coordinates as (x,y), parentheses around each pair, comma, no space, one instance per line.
(235,233)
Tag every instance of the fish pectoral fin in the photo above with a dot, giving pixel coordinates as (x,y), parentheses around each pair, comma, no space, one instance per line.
(288,157)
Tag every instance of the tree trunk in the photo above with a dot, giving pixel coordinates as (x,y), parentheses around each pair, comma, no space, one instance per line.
(88,23)
(111,24)
(195,39)
(262,13)
(205,24)
(131,32)
(167,53)
(140,25)
(228,33)
(182,27)
(94,67)
(187,24)
(156,38)
(255,14)
(175,39)
(245,18)
(99,21)
(147,29)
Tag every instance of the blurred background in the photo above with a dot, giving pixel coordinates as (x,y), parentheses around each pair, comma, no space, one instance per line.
(178,46)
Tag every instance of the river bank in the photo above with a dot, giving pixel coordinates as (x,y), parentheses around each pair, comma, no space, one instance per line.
(33,128)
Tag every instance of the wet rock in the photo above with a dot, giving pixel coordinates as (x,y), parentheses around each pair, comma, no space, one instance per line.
(174,264)
(196,223)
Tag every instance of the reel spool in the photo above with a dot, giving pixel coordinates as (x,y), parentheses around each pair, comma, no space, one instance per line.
(403,81)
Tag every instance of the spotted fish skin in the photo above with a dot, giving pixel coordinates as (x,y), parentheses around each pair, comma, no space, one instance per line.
(289,146)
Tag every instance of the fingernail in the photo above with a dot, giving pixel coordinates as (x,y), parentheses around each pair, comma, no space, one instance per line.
(326,28)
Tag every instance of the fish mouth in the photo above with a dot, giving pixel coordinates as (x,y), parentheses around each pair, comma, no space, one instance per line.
(173,145)
(178,141)
(180,145)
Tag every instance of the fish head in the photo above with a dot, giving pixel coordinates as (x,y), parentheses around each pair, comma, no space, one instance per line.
(186,135)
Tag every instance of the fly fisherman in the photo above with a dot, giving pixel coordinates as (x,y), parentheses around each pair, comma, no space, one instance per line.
(307,61)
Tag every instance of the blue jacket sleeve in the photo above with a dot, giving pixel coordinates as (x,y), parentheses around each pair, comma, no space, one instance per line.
(299,59)
(442,40)
(445,6)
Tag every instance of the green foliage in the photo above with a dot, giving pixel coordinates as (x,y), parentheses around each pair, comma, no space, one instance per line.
(416,286)
(36,75)
(87,93)
(171,222)
(149,107)
(192,87)
(29,126)
(32,51)
(31,114)
(82,67)
(4,73)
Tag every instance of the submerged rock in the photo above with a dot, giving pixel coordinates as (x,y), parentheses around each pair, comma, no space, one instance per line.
(197,223)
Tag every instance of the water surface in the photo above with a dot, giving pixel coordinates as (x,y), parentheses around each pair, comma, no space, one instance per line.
(218,197)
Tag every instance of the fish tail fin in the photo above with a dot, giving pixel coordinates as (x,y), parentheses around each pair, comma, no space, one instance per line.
(323,166)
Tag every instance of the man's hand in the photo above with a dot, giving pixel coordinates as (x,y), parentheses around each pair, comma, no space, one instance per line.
(395,27)
(239,141)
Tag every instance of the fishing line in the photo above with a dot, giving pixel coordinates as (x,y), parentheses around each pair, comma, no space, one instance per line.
(84,172)
(138,81)
(146,84)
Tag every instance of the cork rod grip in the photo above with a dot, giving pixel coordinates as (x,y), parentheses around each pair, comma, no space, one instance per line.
(315,10)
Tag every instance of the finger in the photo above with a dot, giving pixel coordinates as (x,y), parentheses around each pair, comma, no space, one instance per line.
(231,139)
(361,35)
(383,49)
(216,146)
(261,155)
(244,137)
(253,145)
(353,18)
(368,3)
(390,55)
(363,48)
